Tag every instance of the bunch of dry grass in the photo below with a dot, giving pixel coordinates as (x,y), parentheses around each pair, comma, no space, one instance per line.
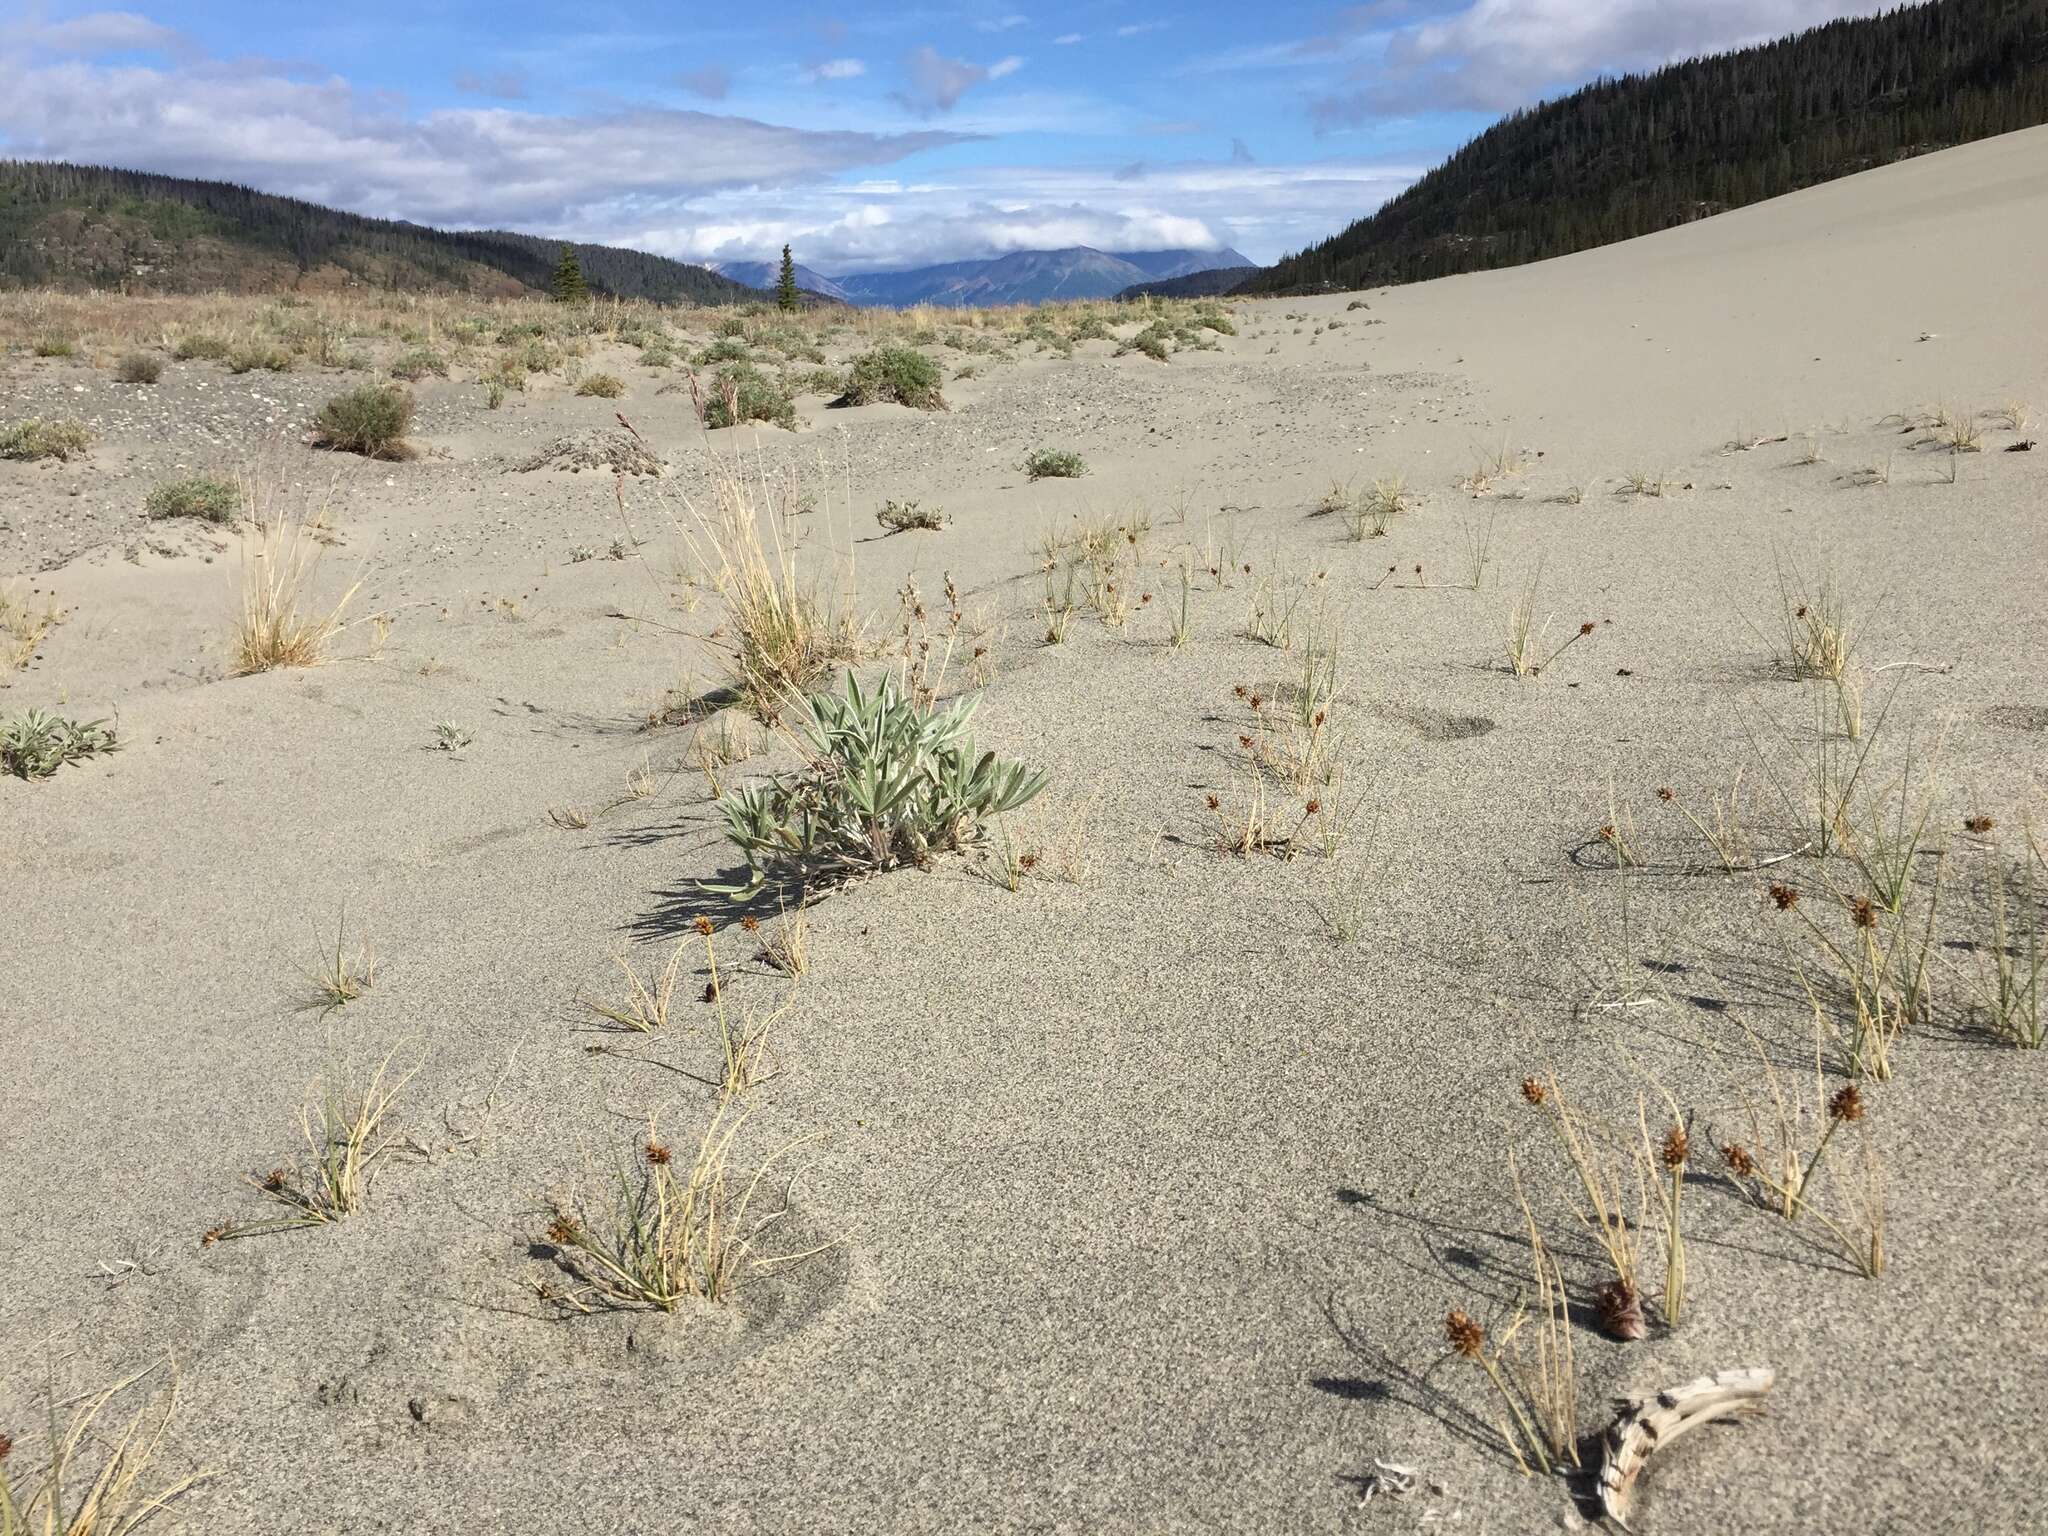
(783,633)
(118,1499)
(24,622)
(667,1232)
(277,626)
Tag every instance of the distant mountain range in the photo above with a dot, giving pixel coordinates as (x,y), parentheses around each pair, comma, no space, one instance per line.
(1194,285)
(72,226)
(1627,157)
(1022,277)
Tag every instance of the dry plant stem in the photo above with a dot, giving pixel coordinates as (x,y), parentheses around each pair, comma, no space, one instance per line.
(273,628)
(1552,1390)
(647,1001)
(1605,1209)
(343,1149)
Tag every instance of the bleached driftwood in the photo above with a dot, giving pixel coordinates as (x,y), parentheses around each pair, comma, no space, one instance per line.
(1648,1424)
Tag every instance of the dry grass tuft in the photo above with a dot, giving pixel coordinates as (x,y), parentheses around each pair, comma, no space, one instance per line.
(24,622)
(118,1499)
(274,628)
(645,1006)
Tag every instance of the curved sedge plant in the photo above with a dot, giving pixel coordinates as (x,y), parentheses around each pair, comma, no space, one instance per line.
(888,783)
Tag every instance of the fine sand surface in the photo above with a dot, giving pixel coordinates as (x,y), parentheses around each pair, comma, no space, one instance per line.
(1145,1198)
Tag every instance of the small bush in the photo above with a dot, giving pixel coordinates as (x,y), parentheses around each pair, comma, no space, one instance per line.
(200,496)
(1151,341)
(903,516)
(819,381)
(38,439)
(1054,464)
(139,368)
(729,350)
(1090,328)
(657,355)
(741,392)
(902,374)
(371,420)
(264,357)
(55,346)
(605,386)
(418,363)
(887,783)
(210,348)
(34,745)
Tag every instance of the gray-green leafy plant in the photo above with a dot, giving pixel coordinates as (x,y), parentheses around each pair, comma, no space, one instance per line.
(34,745)
(889,782)
(1054,464)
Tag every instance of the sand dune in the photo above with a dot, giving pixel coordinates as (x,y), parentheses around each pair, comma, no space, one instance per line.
(1143,1196)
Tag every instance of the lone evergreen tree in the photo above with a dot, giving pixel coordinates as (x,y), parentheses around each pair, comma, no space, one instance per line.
(785,285)
(567,285)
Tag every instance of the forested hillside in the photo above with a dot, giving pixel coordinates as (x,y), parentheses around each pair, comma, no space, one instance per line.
(76,226)
(1626,157)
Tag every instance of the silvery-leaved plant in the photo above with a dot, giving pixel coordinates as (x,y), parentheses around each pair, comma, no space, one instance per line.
(888,783)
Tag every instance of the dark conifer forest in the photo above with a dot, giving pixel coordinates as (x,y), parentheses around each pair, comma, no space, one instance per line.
(71,225)
(1627,157)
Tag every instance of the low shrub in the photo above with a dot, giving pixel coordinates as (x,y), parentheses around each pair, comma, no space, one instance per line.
(657,355)
(36,438)
(201,496)
(1152,341)
(34,745)
(55,346)
(605,386)
(139,368)
(210,348)
(903,516)
(266,357)
(418,363)
(371,420)
(886,783)
(902,374)
(730,349)
(741,392)
(1054,464)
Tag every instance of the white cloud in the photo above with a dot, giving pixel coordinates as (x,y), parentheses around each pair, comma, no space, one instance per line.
(506,85)
(327,142)
(1002,23)
(1261,210)
(1140,28)
(102,32)
(838,69)
(1002,67)
(1068,39)
(1498,54)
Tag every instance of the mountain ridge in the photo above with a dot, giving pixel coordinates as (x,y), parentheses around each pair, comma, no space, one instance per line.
(1017,277)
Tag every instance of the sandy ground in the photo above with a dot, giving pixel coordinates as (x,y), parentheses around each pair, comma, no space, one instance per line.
(1146,1197)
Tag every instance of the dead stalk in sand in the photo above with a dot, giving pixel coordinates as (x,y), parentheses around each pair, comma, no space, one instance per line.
(343,1147)
(1817,624)
(116,1501)
(1525,654)
(272,628)
(742,1043)
(667,1236)
(1780,1171)
(1721,829)
(786,946)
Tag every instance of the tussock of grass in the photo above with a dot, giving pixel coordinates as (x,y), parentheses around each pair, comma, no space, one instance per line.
(275,627)
(903,516)
(371,420)
(24,622)
(666,1232)
(343,1145)
(200,346)
(740,392)
(139,368)
(603,386)
(261,357)
(782,633)
(418,364)
(36,438)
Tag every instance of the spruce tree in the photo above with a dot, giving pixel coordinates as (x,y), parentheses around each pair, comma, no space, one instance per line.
(567,285)
(785,285)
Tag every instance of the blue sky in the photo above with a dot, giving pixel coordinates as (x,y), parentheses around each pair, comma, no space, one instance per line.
(867,136)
